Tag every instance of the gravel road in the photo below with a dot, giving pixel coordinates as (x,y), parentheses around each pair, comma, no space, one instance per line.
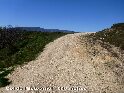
(70,64)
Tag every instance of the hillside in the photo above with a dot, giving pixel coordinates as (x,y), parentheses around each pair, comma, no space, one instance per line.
(74,63)
(113,35)
(19,47)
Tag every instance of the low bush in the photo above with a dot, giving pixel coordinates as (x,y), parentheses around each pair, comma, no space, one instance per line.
(19,47)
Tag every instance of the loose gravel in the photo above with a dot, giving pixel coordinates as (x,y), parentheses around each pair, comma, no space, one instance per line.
(70,64)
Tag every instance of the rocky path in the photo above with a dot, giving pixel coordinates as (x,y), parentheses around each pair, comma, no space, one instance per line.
(70,64)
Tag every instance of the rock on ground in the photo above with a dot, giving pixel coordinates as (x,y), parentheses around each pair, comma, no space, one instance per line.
(70,64)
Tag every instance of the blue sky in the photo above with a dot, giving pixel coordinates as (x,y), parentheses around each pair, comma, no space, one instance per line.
(76,15)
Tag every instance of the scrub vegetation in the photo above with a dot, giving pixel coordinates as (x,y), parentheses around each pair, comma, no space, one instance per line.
(18,47)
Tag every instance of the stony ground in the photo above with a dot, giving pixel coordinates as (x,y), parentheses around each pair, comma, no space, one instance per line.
(71,64)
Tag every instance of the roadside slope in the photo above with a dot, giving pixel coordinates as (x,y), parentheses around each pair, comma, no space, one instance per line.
(71,61)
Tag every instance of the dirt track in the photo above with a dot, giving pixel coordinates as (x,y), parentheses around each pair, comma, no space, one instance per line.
(71,62)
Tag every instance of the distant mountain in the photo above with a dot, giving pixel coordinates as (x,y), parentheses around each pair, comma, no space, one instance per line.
(29,28)
(42,29)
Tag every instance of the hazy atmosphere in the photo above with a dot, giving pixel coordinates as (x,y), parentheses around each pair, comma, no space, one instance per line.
(75,15)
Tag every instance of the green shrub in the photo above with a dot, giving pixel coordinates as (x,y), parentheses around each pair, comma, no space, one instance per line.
(19,47)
